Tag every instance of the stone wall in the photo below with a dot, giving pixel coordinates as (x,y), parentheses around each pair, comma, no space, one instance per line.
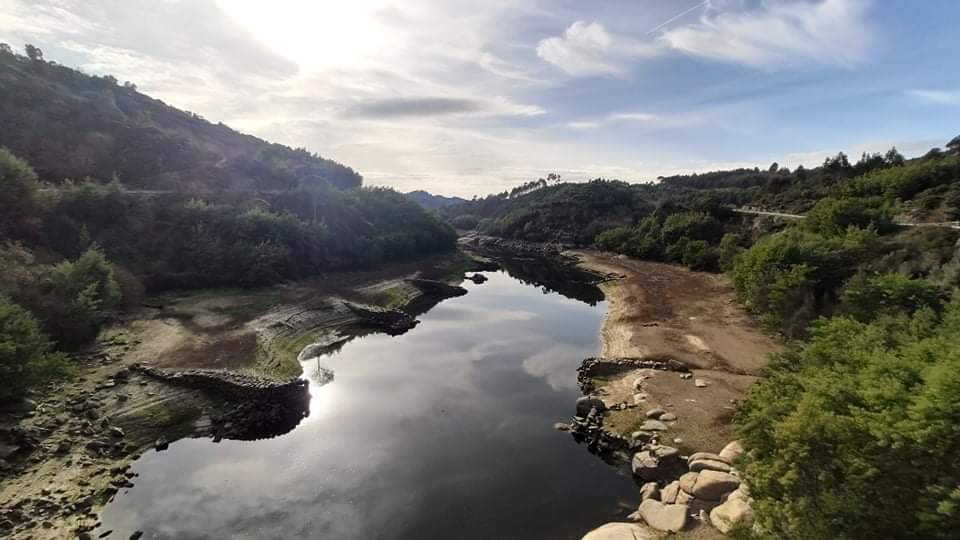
(231,385)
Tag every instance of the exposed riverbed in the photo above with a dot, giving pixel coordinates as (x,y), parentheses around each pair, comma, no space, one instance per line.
(442,432)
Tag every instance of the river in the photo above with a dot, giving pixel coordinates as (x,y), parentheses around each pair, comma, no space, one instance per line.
(445,432)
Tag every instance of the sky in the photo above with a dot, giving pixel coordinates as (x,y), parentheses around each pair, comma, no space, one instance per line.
(473,97)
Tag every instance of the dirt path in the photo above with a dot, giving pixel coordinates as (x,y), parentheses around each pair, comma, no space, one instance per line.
(660,311)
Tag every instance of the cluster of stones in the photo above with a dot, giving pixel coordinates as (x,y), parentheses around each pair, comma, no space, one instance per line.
(711,484)
(230,384)
(516,247)
(391,321)
(592,368)
(432,287)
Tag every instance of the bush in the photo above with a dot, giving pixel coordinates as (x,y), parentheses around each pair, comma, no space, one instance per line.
(82,294)
(26,355)
(466,222)
(796,268)
(854,435)
(867,297)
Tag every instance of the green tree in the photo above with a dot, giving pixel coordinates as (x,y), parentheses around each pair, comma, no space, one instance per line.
(853,435)
(82,294)
(868,297)
(26,355)
(18,192)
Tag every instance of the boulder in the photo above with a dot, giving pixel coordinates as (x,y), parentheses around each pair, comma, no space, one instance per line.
(655,413)
(653,425)
(708,465)
(668,417)
(700,383)
(731,452)
(622,531)
(585,403)
(650,490)
(709,485)
(735,510)
(655,462)
(664,517)
(644,436)
(668,494)
(696,456)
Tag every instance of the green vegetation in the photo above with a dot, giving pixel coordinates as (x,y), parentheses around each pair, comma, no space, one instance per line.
(26,354)
(854,434)
(127,195)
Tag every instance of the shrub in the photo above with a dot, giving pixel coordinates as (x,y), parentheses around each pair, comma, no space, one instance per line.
(26,355)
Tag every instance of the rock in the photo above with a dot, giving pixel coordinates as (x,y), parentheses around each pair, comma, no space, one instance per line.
(655,413)
(622,531)
(735,510)
(703,517)
(136,535)
(560,426)
(668,494)
(653,425)
(700,383)
(655,462)
(664,517)
(731,452)
(161,444)
(709,485)
(122,376)
(708,465)
(639,398)
(650,490)
(477,278)
(7,450)
(686,376)
(116,432)
(24,405)
(668,417)
(684,498)
(644,436)
(696,456)
(638,383)
(585,403)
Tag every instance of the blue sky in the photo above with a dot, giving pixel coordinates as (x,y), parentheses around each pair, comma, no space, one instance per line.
(467,98)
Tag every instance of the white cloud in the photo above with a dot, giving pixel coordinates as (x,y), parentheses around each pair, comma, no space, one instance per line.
(779,33)
(588,49)
(643,120)
(936,97)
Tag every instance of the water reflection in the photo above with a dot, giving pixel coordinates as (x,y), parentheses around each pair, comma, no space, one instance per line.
(443,432)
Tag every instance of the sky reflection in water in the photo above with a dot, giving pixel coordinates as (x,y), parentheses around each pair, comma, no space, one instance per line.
(444,432)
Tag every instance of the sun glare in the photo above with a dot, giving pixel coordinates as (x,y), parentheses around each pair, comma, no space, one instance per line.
(313,34)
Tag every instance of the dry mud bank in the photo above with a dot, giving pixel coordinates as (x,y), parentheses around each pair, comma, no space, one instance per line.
(677,353)
(213,363)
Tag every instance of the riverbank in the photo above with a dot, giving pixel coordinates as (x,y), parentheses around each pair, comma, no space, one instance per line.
(217,363)
(668,313)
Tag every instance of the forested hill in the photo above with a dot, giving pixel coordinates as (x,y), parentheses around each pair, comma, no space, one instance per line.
(432,202)
(67,124)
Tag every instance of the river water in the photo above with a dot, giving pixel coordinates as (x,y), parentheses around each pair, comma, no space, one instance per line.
(445,432)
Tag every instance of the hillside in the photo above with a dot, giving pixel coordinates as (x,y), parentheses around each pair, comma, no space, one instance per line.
(67,124)
(432,202)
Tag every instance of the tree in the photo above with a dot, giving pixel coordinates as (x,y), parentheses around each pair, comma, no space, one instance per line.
(953,146)
(18,190)
(82,294)
(893,158)
(5,48)
(774,167)
(853,435)
(26,355)
(869,297)
(33,53)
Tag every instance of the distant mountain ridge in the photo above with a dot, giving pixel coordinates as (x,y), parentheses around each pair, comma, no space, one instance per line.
(71,125)
(433,202)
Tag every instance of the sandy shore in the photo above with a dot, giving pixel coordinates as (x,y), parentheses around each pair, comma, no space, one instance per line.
(660,311)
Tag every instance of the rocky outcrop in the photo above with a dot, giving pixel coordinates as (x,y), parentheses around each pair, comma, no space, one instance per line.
(655,462)
(230,384)
(622,531)
(595,367)
(440,289)
(391,322)
(734,511)
(731,452)
(664,517)
(709,485)
(496,245)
